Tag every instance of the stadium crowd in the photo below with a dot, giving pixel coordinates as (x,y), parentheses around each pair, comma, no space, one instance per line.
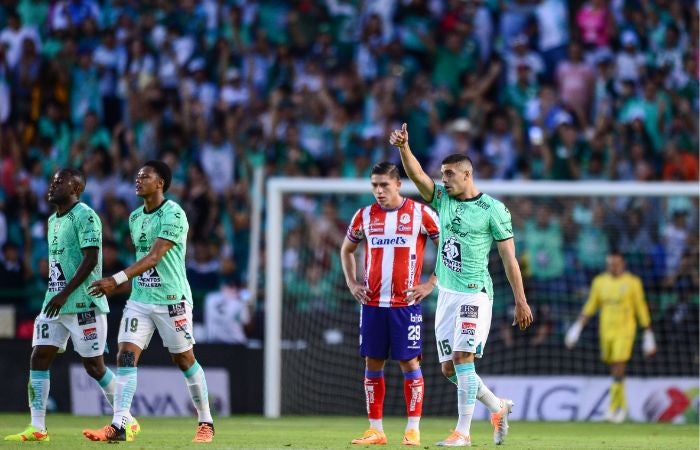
(530,90)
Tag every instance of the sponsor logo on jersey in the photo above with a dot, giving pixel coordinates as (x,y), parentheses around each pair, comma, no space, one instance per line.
(482,204)
(91,240)
(472,286)
(389,241)
(404,228)
(376,226)
(89,334)
(416,318)
(181,325)
(411,270)
(57,279)
(57,251)
(177,309)
(149,279)
(469,328)
(469,311)
(455,226)
(86,318)
(452,254)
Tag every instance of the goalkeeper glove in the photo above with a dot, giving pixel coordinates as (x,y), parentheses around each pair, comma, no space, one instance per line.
(573,334)
(648,343)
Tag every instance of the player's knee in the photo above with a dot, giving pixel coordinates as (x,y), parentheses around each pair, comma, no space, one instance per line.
(183,360)
(40,360)
(448,370)
(94,367)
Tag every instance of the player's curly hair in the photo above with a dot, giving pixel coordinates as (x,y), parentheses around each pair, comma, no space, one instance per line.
(163,171)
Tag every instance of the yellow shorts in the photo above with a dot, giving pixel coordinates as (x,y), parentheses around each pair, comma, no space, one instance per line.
(616,348)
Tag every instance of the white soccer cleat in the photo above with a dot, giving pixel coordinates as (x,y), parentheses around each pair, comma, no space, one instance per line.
(456,439)
(619,416)
(499,420)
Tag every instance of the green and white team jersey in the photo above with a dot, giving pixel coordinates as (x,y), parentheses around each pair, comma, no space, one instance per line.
(467,230)
(166,283)
(68,234)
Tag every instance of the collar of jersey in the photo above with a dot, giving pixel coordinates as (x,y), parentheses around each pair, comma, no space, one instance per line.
(394,209)
(68,210)
(476,197)
(165,200)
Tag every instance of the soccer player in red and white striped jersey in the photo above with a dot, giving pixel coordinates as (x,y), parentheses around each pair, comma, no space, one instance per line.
(395,230)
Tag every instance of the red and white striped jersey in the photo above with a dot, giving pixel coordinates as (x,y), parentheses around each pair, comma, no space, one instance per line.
(394,244)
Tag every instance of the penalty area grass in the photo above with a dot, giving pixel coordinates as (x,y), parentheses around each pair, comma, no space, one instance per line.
(320,432)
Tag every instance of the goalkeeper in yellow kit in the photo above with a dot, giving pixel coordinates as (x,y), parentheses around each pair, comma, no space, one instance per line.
(619,296)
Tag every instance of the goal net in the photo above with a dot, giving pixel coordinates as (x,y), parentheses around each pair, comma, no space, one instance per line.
(562,234)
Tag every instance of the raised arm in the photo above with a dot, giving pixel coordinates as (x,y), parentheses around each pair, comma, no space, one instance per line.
(425,184)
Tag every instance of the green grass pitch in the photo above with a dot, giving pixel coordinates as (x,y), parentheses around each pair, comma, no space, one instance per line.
(310,432)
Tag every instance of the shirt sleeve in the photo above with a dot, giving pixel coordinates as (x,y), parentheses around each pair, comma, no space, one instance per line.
(173,226)
(89,230)
(500,222)
(593,303)
(356,232)
(640,304)
(431,223)
(439,195)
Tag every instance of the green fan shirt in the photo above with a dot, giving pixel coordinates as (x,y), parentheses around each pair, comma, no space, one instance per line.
(68,234)
(467,230)
(166,283)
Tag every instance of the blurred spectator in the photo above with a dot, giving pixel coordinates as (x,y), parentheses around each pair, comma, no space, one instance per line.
(228,312)
(541,90)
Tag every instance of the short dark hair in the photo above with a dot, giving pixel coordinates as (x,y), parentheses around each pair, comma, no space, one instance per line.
(76,175)
(386,168)
(163,171)
(616,252)
(457,158)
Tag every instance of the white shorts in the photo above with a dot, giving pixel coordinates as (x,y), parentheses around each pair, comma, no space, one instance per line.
(173,322)
(87,330)
(462,323)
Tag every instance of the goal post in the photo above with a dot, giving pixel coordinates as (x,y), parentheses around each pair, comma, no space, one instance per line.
(278,187)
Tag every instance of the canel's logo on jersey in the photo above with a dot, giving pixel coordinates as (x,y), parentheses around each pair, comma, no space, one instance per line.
(452,254)
(389,241)
(149,279)
(57,279)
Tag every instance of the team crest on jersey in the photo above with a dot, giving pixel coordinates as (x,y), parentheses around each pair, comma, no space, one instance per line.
(469,311)
(89,334)
(177,309)
(57,279)
(405,218)
(86,318)
(452,254)
(149,279)
(438,194)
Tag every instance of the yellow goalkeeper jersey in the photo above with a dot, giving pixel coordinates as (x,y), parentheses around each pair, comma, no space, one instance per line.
(621,303)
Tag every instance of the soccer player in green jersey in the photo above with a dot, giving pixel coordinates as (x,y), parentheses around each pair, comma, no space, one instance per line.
(469,223)
(160,299)
(74,236)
